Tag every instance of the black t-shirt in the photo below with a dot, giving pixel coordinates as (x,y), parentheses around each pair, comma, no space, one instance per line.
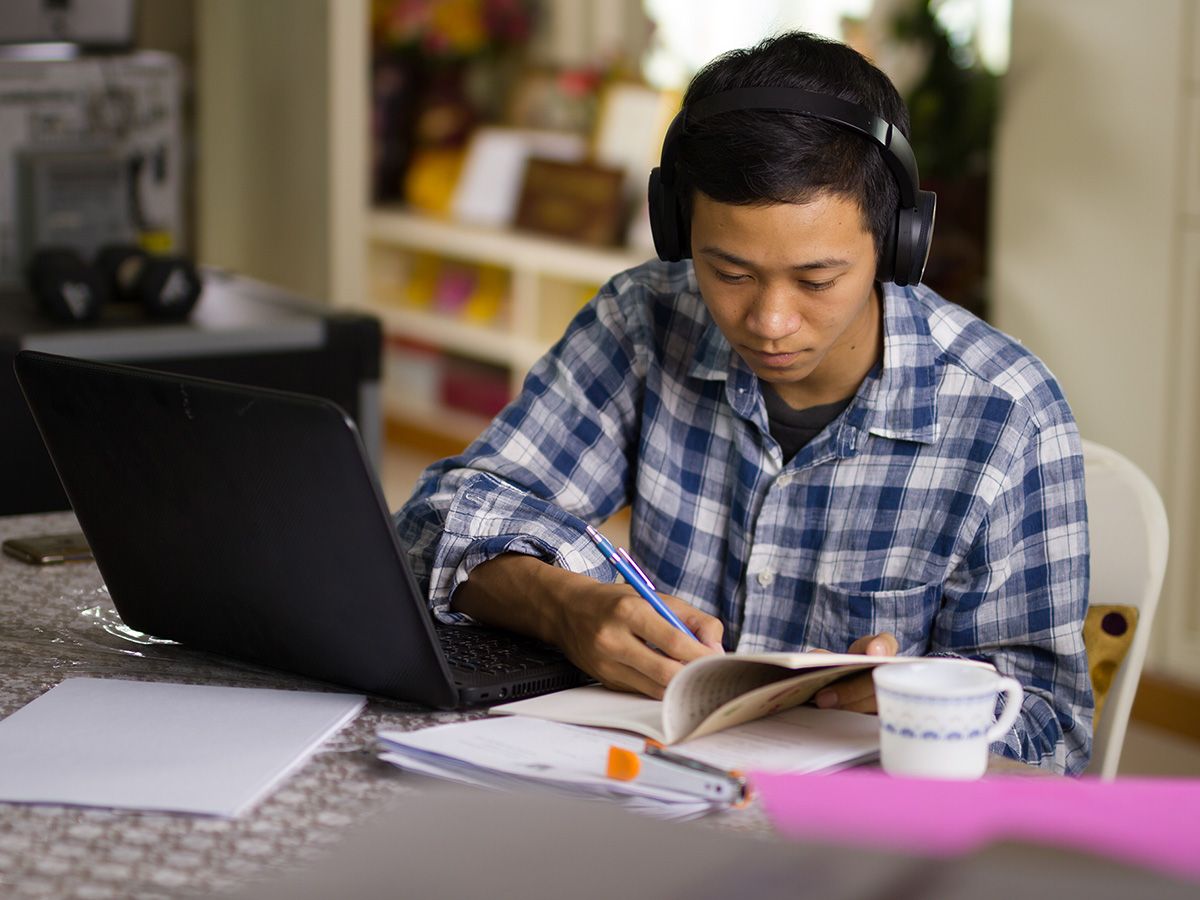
(793,428)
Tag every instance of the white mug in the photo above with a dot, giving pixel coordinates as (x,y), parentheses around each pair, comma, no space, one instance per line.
(936,716)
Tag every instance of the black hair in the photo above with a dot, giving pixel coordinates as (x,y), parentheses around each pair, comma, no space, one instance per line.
(760,156)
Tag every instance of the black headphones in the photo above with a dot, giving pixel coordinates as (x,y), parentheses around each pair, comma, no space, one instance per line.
(906,247)
(69,288)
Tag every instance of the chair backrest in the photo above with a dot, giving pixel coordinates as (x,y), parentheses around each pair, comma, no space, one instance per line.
(1127,524)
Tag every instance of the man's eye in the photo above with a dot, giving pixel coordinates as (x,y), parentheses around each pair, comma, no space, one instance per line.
(729,277)
(819,285)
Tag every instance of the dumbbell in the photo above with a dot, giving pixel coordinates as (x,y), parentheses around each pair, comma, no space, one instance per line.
(165,287)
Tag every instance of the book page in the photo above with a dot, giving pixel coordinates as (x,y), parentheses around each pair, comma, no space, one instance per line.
(710,688)
(593,705)
(708,695)
(717,692)
(798,740)
(698,695)
(771,698)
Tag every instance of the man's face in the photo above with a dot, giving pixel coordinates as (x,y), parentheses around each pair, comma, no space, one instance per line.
(791,286)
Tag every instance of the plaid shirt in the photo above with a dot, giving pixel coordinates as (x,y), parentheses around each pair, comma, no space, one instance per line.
(945,504)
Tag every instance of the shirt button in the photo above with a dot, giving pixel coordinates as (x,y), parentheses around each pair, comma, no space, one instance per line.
(766,577)
(785,480)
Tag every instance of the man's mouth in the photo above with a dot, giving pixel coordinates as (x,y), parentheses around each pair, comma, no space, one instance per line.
(775,360)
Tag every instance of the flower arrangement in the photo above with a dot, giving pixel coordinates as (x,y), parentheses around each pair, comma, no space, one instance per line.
(451,29)
(440,67)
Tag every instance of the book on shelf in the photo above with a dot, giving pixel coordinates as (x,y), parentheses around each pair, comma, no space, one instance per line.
(707,696)
(473,386)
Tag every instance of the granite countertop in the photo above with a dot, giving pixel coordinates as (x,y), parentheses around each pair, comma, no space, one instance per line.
(57,622)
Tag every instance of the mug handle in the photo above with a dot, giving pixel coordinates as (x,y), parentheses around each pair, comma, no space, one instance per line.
(1013,694)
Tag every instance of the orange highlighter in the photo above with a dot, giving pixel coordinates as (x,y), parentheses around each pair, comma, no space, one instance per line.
(658,767)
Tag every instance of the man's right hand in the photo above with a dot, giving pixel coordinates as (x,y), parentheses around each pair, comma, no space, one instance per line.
(606,629)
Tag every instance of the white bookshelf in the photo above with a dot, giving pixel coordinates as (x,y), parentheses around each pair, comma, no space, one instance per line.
(524,253)
(547,281)
(321,237)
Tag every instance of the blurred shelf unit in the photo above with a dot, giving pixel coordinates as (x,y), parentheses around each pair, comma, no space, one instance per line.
(467,310)
(461,306)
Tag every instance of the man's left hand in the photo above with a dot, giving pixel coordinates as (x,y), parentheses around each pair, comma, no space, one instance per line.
(857,693)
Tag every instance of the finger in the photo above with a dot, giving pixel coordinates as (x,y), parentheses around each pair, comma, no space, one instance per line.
(625,641)
(860,645)
(702,629)
(685,647)
(624,678)
(672,643)
(848,693)
(652,646)
(626,663)
(707,629)
(866,705)
(883,644)
(647,670)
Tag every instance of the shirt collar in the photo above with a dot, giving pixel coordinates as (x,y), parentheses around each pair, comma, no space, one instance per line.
(897,400)
(715,360)
(902,397)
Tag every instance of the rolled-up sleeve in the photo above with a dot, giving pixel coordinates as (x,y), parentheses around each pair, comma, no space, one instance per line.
(555,459)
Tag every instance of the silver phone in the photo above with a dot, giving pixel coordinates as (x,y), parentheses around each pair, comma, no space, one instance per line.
(46,549)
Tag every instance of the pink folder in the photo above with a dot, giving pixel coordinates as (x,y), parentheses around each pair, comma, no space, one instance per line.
(1151,822)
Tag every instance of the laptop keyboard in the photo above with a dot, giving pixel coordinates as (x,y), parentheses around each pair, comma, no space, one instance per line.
(490,652)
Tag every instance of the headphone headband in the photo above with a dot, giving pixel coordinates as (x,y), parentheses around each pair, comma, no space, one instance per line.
(905,250)
(897,152)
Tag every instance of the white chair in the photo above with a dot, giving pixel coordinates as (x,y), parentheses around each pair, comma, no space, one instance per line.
(1128,527)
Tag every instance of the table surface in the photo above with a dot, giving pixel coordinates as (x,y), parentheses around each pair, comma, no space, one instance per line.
(58,622)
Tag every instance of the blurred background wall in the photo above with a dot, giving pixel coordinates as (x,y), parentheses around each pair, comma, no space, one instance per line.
(1096,245)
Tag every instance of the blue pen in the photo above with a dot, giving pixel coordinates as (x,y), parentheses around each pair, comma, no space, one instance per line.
(637,580)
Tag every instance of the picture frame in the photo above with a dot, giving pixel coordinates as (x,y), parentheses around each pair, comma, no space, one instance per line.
(575,201)
(490,182)
(630,126)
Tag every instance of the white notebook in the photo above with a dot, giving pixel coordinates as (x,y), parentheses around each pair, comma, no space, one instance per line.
(160,746)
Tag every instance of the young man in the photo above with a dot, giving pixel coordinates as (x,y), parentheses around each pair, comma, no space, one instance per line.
(815,456)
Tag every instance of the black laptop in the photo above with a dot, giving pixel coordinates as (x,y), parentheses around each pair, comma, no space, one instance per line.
(248,522)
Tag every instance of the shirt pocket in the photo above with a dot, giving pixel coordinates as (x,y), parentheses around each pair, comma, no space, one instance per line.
(841,615)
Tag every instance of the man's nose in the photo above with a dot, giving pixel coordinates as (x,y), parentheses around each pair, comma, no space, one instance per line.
(774,313)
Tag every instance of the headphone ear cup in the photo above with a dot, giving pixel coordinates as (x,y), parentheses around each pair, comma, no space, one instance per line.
(923,241)
(663,215)
(164,287)
(65,287)
(902,265)
(118,265)
(168,287)
(912,238)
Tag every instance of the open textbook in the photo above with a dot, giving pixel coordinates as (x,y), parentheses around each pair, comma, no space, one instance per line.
(708,695)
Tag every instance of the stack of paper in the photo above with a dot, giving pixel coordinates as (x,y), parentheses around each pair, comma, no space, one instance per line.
(523,750)
(515,752)
(152,745)
(771,738)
